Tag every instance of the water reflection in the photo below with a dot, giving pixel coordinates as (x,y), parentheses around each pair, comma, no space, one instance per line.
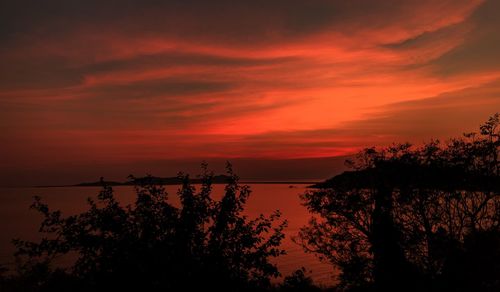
(17,221)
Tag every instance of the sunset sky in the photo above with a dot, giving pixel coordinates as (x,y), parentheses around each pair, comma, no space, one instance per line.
(281,88)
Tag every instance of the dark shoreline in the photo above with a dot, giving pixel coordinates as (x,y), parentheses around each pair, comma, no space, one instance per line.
(291,183)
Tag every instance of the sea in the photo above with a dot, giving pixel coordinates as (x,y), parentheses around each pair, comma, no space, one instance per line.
(17,220)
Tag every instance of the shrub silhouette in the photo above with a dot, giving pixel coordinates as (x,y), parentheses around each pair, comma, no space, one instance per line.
(405,218)
(152,245)
(298,281)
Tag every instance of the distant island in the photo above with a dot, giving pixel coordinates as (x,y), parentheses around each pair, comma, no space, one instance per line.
(217,179)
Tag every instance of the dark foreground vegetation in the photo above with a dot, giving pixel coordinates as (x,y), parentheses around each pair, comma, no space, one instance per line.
(203,245)
(403,219)
(413,219)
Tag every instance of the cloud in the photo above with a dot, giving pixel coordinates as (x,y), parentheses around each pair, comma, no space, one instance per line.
(479,51)
(222,19)
(445,116)
(190,79)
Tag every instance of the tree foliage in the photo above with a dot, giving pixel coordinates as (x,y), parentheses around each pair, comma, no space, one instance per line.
(154,245)
(413,218)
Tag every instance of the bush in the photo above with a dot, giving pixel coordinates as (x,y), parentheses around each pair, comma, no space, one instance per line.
(404,216)
(153,245)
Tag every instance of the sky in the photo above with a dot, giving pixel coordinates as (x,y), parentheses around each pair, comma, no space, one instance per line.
(282,88)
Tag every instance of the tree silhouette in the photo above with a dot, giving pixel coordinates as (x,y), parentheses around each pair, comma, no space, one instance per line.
(153,245)
(298,281)
(399,218)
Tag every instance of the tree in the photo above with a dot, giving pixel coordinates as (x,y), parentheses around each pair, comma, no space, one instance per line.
(298,281)
(398,218)
(154,245)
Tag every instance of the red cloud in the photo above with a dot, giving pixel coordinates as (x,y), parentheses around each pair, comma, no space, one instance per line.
(241,80)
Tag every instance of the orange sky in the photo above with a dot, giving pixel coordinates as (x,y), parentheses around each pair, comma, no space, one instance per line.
(90,88)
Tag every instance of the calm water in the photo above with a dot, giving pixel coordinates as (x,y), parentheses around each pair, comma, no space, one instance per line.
(18,221)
